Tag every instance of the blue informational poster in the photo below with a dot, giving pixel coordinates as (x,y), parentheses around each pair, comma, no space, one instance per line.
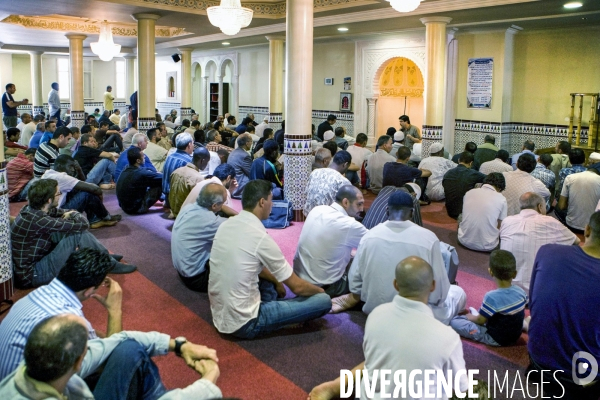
(479,83)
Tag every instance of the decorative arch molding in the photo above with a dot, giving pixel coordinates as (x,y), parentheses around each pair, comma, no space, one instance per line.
(196,64)
(371,60)
(219,60)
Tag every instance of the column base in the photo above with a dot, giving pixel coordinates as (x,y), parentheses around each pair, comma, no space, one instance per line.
(275,120)
(186,113)
(146,123)
(297,167)
(431,134)
(37,110)
(6,286)
(77,118)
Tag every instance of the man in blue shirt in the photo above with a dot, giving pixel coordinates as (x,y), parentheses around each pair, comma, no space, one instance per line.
(138,187)
(140,141)
(528,147)
(80,278)
(9,106)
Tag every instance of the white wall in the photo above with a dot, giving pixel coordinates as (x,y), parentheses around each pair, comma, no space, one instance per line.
(254,76)
(6,70)
(165,65)
(331,60)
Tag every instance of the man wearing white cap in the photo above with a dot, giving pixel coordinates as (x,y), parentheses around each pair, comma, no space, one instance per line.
(398,142)
(438,165)
(260,128)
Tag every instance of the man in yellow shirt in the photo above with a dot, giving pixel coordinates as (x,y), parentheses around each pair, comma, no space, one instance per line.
(108,99)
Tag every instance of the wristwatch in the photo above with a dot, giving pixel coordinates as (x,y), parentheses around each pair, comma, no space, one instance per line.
(179,341)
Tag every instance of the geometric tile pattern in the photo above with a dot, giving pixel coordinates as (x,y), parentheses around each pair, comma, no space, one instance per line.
(297,171)
(77,118)
(144,124)
(431,134)
(5,250)
(186,113)
(297,145)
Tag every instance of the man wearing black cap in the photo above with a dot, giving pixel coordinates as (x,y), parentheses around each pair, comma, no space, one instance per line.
(326,126)
(383,247)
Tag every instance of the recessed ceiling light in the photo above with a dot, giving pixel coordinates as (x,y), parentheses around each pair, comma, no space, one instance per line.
(155,53)
(225,43)
(573,4)
(343,29)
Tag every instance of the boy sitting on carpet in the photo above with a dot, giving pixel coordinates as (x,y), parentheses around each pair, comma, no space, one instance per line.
(500,318)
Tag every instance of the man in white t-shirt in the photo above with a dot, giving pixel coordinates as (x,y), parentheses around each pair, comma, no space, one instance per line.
(578,199)
(360,154)
(438,165)
(248,273)
(523,235)
(328,237)
(260,128)
(88,197)
(483,210)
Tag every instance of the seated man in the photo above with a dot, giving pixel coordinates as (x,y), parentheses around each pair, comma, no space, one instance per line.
(242,305)
(576,159)
(156,153)
(342,143)
(398,139)
(115,117)
(420,342)
(520,181)
(499,321)
(49,129)
(12,139)
(224,175)
(470,147)
(128,137)
(264,167)
(485,152)
(79,195)
(19,174)
(242,162)
(98,166)
(84,272)
(140,141)
(360,156)
(214,141)
(73,144)
(193,235)
(399,173)
(109,138)
(377,162)
(322,158)
(528,148)
(523,235)
(564,301)
(483,211)
(498,164)
(183,179)
(47,152)
(138,187)
(328,237)
(438,165)
(184,143)
(44,236)
(458,181)
(58,357)
(34,142)
(377,213)
(383,247)
(324,183)
(580,193)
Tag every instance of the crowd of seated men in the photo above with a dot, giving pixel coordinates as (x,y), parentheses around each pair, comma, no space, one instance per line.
(400,270)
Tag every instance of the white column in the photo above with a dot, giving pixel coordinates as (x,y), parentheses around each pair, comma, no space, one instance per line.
(205,102)
(450,103)
(435,80)
(130,81)
(186,83)
(37,98)
(299,66)
(76,58)
(235,101)
(220,81)
(276,69)
(146,70)
(371,118)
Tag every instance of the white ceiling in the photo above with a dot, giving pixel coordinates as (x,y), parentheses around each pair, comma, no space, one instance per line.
(362,21)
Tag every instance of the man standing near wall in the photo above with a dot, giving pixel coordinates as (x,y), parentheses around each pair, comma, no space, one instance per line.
(54,104)
(9,106)
(108,100)
(412,134)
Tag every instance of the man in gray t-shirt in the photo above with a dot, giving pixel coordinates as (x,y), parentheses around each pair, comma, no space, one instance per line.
(412,134)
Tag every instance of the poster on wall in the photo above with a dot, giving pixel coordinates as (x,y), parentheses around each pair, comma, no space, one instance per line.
(348,83)
(479,83)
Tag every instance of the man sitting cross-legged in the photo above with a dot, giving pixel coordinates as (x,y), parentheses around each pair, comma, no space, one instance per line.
(44,236)
(224,175)
(97,165)
(241,304)
(404,335)
(138,187)
(383,247)
(193,235)
(76,194)
(140,141)
(58,357)
(327,239)
(324,183)
(83,274)
(184,178)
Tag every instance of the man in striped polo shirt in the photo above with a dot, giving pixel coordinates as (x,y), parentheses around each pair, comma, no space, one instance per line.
(47,152)
(84,272)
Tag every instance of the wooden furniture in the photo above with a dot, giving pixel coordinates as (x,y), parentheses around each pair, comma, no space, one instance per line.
(592,143)
(214,100)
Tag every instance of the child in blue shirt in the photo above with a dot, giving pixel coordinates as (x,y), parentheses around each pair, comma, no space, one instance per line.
(500,318)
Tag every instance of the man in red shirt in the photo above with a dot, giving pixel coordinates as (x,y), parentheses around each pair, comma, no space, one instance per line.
(19,172)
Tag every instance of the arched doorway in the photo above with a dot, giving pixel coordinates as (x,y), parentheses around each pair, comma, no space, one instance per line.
(401,88)
(197,87)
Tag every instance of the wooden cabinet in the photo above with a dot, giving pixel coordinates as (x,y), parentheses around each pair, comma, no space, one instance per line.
(213,100)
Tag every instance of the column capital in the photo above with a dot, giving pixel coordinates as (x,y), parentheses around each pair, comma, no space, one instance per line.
(185,49)
(141,16)
(275,37)
(428,20)
(514,29)
(75,36)
(130,56)
(36,53)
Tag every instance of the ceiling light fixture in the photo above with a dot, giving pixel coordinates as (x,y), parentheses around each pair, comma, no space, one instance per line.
(105,48)
(225,43)
(404,5)
(573,4)
(230,16)
(343,29)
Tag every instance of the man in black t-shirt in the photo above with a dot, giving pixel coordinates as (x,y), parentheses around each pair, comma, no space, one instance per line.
(458,181)
(399,173)
(97,165)
(326,126)
(138,188)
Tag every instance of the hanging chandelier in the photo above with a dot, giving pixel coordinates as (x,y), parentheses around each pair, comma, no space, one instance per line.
(404,5)
(105,48)
(230,16)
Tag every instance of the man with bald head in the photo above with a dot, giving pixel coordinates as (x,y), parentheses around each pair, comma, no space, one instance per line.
(322,158)
(421,341)
(59,356)
(193,235)
(327,239)
(523,235)
(383,247)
